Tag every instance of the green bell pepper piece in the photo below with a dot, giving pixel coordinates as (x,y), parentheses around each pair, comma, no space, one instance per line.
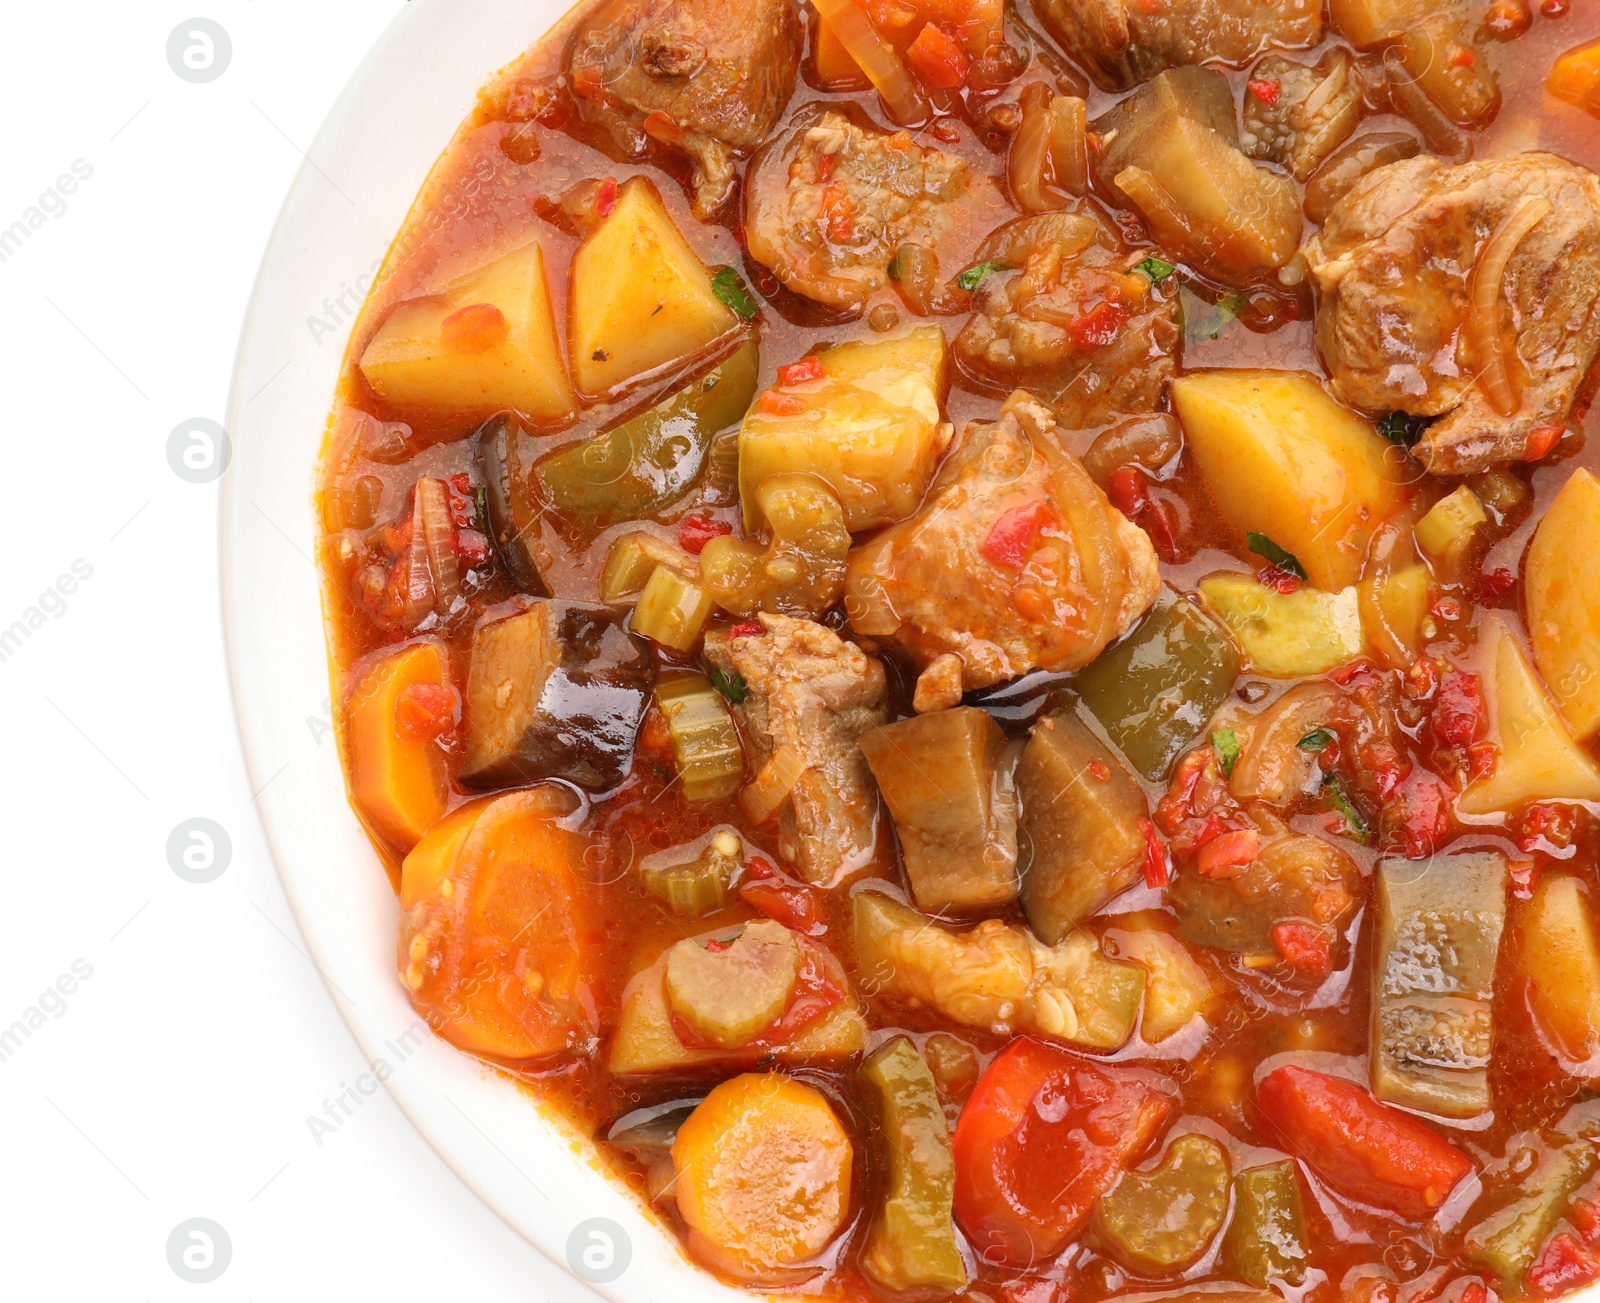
(1267,1237)
(1160,1221)
(1507,1241)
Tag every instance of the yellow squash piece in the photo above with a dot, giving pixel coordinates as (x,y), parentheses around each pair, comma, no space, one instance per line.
(1561,962)
(870,428)
(1563,588)
(1538,759)
(1178,987)
(487,343)
(1287,635)
(1285,460)
(640,296)
(397,777)
(1450,528)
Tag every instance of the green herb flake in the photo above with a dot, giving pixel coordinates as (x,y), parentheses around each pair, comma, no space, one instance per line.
(1399,429)
(1157,269)
(973,276)
(1203,320)
(1318,739)
(1285,560)
(1333,792)
(658,308)
(728,287)
(732,686)
(1226,744)
(894,268)
(480,505)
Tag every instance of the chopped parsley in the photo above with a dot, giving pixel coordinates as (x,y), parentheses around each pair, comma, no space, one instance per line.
(1333,792)
(973,276)
(480,499)
(1399,429)
(1157,269)
(728,287)
(1226,744)
(1318,739)
(1285,560)
(1203,320)
(732,686)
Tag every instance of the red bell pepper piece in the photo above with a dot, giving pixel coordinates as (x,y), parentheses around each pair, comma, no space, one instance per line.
(1011,539)
(1304,946)
(796,907)
(1043,1135)
(1157,872)
(697,530)
(936,58)
(1360,1146)
(1562,1266)
(1458,712)
(1100,327)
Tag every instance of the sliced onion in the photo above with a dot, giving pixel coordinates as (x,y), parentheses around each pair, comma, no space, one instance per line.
(877,58)
(1497,374)
(438,532)
(417,588)
(1069,143)
(1029,156)
(1326,89)
(767,790)
(1273,768)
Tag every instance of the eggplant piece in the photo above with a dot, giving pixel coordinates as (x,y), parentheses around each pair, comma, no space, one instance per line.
(644,465)
(1438,936)
(556,691)
(954,810)
(505,453)
(1155,692)
(1195,93)
(1082,811)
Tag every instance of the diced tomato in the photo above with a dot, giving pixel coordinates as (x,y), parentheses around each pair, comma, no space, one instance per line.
(1482,757)
(1458,715)
(461,483)
(1360,1146)
(1417,818)
(1265,90)
(1011,539)
(1585,1216)
(798,373)
(1043,1135)
(1420,679)
(605,198)
(1562,1266)
(1100,327)
(1100,771)
(1228,854)
(825,164)
(836,214)
(1127,490)
(937,59)
(426,709)
(1541,440)
(1304,946)
(747,629)
(1157,872)
(775,402)
(1495,584)
(472,547)
(1553,825)
(1354,675)
(1278,579)
(1462,57)
(697,530)
(792,905)
(476,328)
(1475,1292)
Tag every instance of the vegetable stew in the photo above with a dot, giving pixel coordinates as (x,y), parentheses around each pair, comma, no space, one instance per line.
(969,630)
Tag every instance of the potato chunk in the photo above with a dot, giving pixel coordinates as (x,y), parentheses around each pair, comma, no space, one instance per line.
(1287,635)
(940,776)
(1285,460)
(1558,955)
(1538,759)
(1564,602)
(487,343)
(869,427)
(640,296)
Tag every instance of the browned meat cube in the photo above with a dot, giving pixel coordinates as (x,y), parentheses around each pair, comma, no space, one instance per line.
(812,691)
(1014,562)
(1082,811)
(1395,269)
(1124,42)
(954,807)
(829,203)
(1296,115)
(708,77)
(556,691)
(1070,322)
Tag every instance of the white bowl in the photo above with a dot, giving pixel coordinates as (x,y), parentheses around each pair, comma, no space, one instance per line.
(398,113)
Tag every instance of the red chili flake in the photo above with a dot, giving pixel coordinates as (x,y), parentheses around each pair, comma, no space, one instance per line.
(1482,757)
(1265,89)
(1553,825)
(697,530)
(1304,947)
(1156,870)
(1346,676)
(1458,712)
(774,402)
(1228,854)
(748,629)
(1564,1265)
(425,709)
(799,373)
(1100,771)
(1278,579)
(1127,490)
(472,547)
(716,947)
(1541,439)
(1420,679)
(1585,1216)
(1011,539)
(461,483)
(1098,328)
(605,198)
(1495,584)
(1462,57)
(825,164)
(1418,816)
(836,214)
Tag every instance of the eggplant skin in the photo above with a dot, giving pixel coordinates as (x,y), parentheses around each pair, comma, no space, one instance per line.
(555,691)
(504,464)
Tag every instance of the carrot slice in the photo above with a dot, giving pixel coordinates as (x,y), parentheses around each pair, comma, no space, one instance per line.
(397,773)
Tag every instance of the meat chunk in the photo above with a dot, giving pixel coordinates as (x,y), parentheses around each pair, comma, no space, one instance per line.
(813,692)
(829,204)
(709,77)
(1015,561)
(1073,323)
(1124,42)
(1295,115)
(1395,270)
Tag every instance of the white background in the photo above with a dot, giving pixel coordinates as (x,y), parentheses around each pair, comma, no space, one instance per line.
(177,1080)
